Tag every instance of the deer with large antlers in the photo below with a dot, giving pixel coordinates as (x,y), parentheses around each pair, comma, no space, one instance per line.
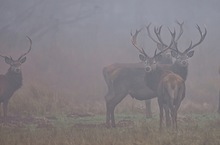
(168,86)
(176,70)
(165,56)
(125,79)
(12,80)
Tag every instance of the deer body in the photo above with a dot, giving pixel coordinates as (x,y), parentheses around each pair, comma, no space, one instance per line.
(9,83)
(168,81)
(12,80)
(128,79)
(170,90)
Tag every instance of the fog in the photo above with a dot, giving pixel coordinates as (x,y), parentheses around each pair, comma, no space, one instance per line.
(74,39)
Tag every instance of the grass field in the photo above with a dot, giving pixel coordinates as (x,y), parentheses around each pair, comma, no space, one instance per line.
(87,129)
(38,116)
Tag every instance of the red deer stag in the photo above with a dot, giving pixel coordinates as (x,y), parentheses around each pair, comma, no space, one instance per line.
(180,65)
(136,89)
(12,80)
(128,78)
(167,54)
(168,86)
(180,68)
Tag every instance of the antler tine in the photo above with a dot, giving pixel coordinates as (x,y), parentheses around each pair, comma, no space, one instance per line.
(181,30)
(28,49)
(149,34)
(173,34)
(200,41)
(134,42)
(157,31)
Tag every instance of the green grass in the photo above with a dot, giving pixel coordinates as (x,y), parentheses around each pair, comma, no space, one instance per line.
(40,103)
(196,129)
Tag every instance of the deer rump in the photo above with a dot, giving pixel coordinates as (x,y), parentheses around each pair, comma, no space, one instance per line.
(170,91)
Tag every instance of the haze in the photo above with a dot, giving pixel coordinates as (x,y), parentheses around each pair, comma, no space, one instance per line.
(74,39)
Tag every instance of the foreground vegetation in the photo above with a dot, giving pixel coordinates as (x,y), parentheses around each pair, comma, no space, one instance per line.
(38,116)
(131,130)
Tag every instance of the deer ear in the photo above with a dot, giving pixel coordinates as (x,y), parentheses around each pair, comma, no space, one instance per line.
(190,54)
(142,57)
(174,54)
(8,60)
(23,60)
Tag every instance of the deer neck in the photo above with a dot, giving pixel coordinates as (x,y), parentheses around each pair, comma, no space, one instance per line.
(153,78)
(15,79)
(180,70)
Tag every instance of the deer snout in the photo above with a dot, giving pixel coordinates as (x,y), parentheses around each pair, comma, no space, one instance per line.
(17,70)
(168,55)
(148,69)
(184,62)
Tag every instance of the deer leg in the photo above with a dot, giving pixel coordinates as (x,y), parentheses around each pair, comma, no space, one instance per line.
(161,113)
(167,115)
(108,117)
(175,119)
(148,108)
(5,107)
(113,117)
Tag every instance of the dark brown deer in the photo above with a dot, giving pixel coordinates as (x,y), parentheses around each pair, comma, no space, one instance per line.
(179,68)
(168,87)
(167,54)
(12,80)
(128,78)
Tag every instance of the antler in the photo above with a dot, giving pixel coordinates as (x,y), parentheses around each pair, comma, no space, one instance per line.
(173,34)
(134,42)
(28,49)
(149,34)
(141,50)
(200,41)
(157,31)
(181,30)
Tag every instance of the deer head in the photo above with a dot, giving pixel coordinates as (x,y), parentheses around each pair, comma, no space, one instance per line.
(150,62)
(159,42)
(182,57)
(15,64)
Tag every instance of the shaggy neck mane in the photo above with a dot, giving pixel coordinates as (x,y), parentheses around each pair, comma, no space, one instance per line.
(15,79)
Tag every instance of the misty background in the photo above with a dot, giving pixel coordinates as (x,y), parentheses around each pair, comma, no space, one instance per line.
(74,39)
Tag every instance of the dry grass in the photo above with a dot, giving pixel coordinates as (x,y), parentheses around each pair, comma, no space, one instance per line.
(65,118)
(198,130)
